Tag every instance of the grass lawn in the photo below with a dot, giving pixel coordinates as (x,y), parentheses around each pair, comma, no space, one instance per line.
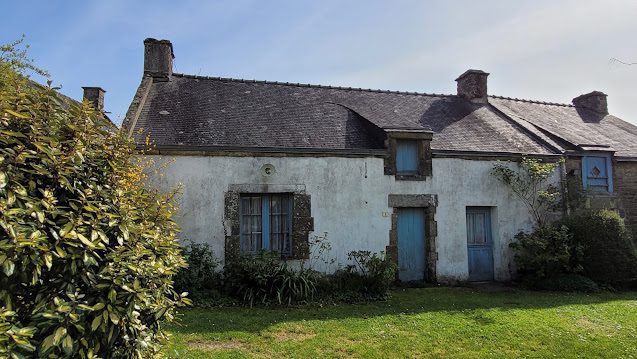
(426,322)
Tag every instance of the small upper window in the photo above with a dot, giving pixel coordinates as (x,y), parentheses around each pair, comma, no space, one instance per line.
(597,174)
(266,223)
(406,157)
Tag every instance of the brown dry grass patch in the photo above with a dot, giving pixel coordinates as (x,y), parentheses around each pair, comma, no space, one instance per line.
(295,333)
(211,345)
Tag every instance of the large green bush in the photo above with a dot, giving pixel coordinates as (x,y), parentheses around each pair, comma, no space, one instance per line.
(87,253)
(594,245)
(609,253)
(548,251)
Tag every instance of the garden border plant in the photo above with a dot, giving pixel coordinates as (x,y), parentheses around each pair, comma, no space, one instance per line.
(266,279)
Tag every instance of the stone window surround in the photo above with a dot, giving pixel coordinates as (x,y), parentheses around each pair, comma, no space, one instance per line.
(428,203)
(302,220)
(424,153)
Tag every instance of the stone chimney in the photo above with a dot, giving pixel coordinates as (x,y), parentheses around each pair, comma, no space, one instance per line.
(595,101)
(472,85)
(95,95)
(158,58)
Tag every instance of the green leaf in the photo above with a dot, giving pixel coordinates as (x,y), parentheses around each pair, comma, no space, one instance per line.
(85,240)
(40,216)
(67,344)
(3,179)
(68,227)
(60,251)
(112,295)
(18,115)
(48,260)
(114,318)
(13,134)
(48,342)
(96,322)
(8,267)
(58,335)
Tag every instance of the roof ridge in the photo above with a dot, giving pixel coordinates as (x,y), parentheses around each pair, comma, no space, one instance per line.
(533,101)
(296,84)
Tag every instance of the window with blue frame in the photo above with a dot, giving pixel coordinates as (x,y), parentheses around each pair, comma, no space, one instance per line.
(597,173)
(406,157)
(266,223)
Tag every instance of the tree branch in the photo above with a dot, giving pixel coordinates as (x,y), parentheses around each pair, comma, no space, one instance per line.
(612,59)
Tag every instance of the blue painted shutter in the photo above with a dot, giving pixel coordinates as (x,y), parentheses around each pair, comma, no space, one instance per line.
(596,173)
(406,157)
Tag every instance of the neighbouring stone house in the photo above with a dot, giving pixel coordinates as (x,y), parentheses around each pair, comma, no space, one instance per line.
(269,165)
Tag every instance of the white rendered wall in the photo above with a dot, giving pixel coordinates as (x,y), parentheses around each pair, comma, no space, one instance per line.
(349,202)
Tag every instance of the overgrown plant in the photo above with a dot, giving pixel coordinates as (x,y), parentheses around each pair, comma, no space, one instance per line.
(370,276)
(203,273)
(87,252)
(530,182)
(263,278)
(320,247)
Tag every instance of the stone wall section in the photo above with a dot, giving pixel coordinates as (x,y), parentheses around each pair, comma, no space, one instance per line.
(625,182)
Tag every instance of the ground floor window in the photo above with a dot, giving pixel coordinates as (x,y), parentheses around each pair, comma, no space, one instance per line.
(266,223)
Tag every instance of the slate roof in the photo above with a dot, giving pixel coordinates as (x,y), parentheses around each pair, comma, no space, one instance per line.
(192,111)
(573,127)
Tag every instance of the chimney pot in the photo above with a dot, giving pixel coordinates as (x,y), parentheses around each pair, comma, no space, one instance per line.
(95,95)
(158,58)
(595,101)
(472,85)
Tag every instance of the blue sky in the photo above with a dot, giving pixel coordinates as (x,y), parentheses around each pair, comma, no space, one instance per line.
(545,50)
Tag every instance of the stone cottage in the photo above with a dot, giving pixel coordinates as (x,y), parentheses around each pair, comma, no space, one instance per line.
(270,165)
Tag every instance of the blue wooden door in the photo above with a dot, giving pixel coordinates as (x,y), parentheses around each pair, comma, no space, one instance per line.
(411,244)
(479,244)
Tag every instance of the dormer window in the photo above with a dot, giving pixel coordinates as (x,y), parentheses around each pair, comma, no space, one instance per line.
(409,156)
(406,157)
(597,174)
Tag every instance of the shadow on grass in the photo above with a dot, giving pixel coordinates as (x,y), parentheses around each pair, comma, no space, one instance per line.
(407,301)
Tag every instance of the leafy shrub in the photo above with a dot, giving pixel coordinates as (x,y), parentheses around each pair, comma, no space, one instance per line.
(87,252)
(549,251)
(377,270)
(531,183)
(264,278)
(201,277)
(566,283)
(369,277)
(609,254)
